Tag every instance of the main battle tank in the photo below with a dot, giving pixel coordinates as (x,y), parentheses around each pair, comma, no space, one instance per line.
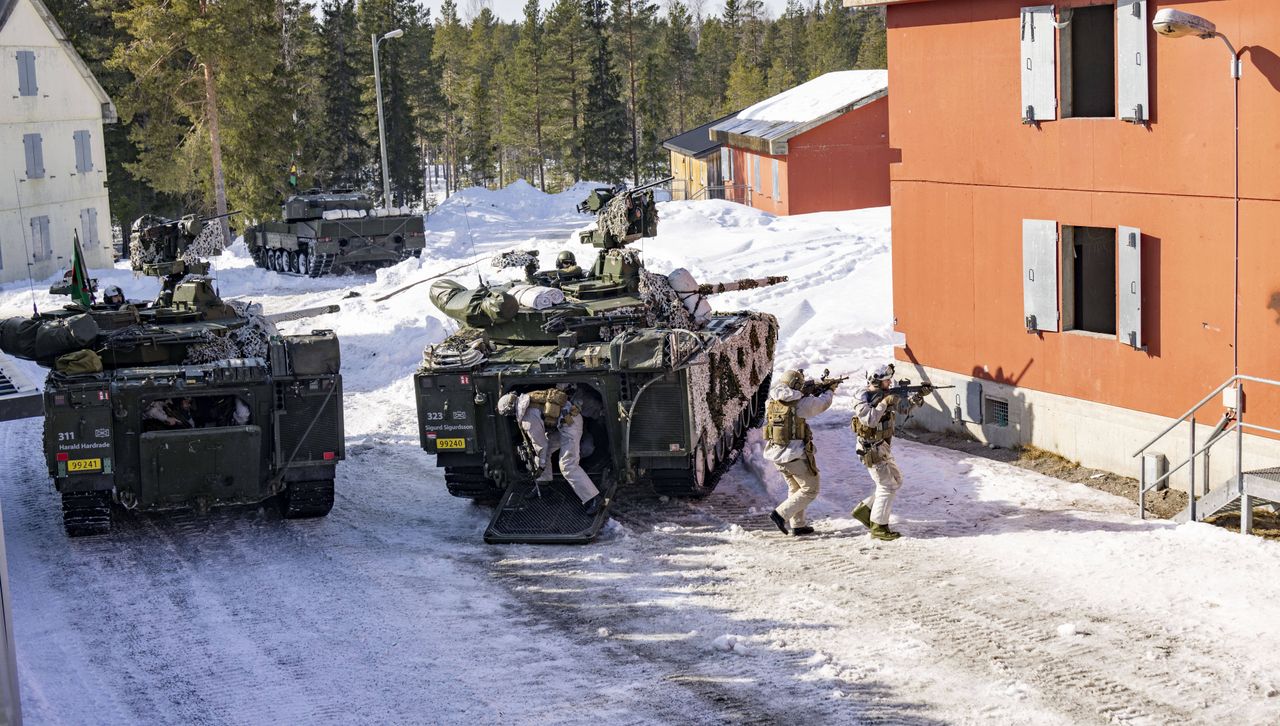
(323,231)
(187,401)
(668,389)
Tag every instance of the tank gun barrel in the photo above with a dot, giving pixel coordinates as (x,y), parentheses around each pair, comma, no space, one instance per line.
(302,313)
(711,288)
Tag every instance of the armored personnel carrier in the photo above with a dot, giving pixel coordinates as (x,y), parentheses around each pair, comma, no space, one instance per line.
(324,231)
(187,401)
(668,389)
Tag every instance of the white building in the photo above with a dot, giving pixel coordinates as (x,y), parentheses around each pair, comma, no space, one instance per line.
(53,168)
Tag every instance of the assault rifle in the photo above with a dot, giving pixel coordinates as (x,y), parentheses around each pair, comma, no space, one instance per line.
(904,389)
(823,384)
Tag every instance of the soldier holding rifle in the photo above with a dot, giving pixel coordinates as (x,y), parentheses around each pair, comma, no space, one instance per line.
(874,416)
(789,443)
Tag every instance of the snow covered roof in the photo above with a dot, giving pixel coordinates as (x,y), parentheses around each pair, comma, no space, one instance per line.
(108,108)
(767,126)
(696,141)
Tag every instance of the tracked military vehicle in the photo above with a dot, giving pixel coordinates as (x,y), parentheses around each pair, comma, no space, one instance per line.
(187,401)
(326,231)
(668,389)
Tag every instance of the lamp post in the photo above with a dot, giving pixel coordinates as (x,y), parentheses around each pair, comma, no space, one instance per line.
(382,133)
(1178,24)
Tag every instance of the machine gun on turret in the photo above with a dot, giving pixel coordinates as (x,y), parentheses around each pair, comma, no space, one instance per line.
(622,215)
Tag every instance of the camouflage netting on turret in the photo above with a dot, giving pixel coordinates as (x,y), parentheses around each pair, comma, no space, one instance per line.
(247,341)
(662,305)
(613,219)
(206,244)
(514,258)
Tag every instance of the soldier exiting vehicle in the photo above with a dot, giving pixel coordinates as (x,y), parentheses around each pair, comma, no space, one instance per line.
(874,415)
(789,445)
(549,421)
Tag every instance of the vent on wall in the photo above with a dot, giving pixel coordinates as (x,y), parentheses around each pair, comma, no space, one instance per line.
(995,411)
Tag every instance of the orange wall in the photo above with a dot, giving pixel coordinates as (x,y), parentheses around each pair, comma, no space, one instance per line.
(970,172)
(842,164)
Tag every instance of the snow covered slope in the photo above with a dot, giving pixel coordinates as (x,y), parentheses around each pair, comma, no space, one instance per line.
(1014,598)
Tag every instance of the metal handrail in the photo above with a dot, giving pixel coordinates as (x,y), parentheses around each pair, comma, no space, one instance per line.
(1203,401)
(1188,460)
(1227,424)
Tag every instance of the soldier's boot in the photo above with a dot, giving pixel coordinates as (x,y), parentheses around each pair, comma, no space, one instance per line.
(779,522)
(802,531)
(882,531)
(862,513)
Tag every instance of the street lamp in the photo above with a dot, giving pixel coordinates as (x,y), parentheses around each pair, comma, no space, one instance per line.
(382,133)
(1178,24)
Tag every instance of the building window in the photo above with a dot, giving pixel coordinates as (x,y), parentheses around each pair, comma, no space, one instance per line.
(89,228)
(777,194)
(755,174)
(26,73)
(33,149)
(1089,279)
(995,411)
(1088,51)
(84,152)
(41,246)
(726,164)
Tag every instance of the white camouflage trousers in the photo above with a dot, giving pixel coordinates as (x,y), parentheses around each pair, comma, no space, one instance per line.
(888,479)
(568,441)
(802,483)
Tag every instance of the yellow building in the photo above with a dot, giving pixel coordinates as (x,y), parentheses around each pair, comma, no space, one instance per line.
(695,163)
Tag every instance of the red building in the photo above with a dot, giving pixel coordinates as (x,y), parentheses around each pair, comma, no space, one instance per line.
(1082,241)
(821,146)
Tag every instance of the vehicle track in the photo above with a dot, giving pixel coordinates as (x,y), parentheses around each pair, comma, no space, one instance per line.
(1081,681)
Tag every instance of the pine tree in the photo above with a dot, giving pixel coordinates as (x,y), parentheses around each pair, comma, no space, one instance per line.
(677,51)
(715,55)
(526,98)
(604,128)
(342,155)
(873,52)
(396,67)
(746,83)
(205,115)
(787,49)
(832,42)
(568,47)
(631,24)
(449,55)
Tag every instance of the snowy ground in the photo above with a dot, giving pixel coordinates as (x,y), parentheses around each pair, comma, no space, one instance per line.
(1014,598)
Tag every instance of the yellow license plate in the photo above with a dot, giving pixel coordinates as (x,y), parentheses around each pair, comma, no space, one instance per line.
(451,443)
(84,465)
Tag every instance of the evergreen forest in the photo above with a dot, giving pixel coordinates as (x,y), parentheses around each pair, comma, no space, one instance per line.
(576,89)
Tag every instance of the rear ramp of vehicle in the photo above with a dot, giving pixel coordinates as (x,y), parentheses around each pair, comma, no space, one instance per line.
(548,513)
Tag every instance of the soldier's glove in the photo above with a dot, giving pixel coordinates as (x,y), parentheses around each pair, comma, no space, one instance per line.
(926,389)
(917,400)
(889,401)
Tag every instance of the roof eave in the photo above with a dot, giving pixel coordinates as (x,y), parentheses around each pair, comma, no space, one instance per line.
(108,108)
(876,3)
(777,145)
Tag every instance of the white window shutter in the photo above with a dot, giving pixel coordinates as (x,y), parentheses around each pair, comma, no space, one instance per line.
(1129,285)
(1039,78)
(1040,274)
(1132,70)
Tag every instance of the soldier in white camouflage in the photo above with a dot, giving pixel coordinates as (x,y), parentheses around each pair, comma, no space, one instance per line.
(551,422)
(789,445)
(874,416)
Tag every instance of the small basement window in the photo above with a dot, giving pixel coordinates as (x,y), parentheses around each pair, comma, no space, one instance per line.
(1088,50)
(995,411)
(1089,279)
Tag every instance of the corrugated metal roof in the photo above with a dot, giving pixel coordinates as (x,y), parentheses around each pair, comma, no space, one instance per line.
(696,141)
(767,126)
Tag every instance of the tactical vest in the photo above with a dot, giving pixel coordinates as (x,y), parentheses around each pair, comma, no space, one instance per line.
(553,402)
(782,425)
(874,434)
